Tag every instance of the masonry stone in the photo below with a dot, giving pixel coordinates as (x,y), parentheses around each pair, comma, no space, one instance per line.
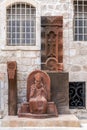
(83,51)
(75,68)
(85,67)
(28,58)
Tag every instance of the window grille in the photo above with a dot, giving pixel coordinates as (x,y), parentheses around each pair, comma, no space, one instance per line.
(80,20)
(21,25)
(77,95)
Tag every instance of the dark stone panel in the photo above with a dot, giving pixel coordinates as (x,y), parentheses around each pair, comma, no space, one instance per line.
(60,91)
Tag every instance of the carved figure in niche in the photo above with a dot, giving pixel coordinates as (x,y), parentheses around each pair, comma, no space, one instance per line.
(38,96)
(51,44)
(39,104)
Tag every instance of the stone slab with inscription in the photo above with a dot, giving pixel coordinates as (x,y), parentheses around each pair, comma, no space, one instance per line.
(60,90)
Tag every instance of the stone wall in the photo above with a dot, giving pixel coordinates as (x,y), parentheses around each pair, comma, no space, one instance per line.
(28,59)
(3,97)
(75,53)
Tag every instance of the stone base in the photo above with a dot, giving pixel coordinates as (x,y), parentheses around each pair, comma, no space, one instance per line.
(51,111)
(60,121)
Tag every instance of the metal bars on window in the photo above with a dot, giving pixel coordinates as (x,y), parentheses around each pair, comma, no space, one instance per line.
(21,25)
(77,95)
(80,20)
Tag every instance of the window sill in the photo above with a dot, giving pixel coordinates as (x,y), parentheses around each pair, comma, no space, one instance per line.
(80,42)
(20,48)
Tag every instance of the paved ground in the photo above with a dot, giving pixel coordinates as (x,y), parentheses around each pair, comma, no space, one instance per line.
(83,127)
(43,128)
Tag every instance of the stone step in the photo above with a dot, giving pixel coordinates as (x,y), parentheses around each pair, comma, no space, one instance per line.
(60,121)
(43,128)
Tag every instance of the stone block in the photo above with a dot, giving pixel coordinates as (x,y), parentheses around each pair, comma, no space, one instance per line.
(60,90)
(76,68)
(61,121)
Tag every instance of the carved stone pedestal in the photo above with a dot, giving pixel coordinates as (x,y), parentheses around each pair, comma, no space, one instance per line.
(51,111)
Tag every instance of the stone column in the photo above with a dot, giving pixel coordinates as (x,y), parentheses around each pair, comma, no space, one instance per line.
(12,88)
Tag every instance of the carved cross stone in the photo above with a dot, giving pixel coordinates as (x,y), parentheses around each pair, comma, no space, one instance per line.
(52,43)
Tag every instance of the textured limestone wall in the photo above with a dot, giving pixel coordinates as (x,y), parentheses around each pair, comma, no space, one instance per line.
(75,53)
(28,59)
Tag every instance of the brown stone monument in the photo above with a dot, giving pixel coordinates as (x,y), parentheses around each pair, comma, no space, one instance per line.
(12,87)
(52,60)
(52,43)
(39,104)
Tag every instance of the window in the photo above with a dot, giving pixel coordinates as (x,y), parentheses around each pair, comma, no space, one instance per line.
(80,20)
(77,95)
(21,25)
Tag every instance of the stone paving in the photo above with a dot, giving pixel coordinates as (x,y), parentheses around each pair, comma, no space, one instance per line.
(44,128)
(67,120)
(82,127)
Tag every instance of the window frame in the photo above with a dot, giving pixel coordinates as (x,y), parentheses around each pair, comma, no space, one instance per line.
(12,35)
(3,7)
(81,33)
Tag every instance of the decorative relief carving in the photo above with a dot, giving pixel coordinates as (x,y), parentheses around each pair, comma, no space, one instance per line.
(11,69)
(77,94)
(39,104)
(52,64)
(51,44)
(49,20)
(52,41)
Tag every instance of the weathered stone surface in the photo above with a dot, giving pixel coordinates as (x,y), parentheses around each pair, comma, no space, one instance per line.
(60,91)
(12,87)
(76,68)
(61,121)
(28,56)
(52,43)
(83,51)
(85,67)
(1,114)
(2,76)
(39,104)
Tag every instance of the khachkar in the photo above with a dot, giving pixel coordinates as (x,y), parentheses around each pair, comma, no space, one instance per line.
(52,60)
(39,104)
(12,87)
(52,43)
